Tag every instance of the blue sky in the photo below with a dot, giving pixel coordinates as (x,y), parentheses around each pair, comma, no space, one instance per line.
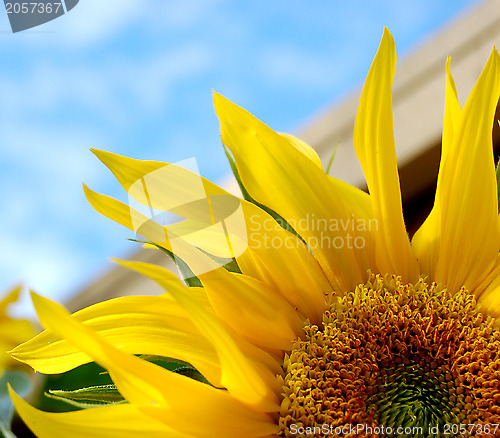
(135,77)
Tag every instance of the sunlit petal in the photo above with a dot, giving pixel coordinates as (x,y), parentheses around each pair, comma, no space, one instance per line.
(249,307)
(118,421)
(137,325)
(239,375)
(426,240)
(146,384)
(460,243)
(279,175)
(374,145)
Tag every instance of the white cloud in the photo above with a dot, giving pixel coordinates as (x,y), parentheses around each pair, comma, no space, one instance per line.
(105,88)
(289,66)
(49,264)
(151,83)
(180,15)
(94,21)
(45,134)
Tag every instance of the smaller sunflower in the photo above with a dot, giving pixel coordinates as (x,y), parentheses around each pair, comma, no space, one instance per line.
(12,331)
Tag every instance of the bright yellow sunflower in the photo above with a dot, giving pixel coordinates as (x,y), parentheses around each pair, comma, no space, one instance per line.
(12,331)
(309,311)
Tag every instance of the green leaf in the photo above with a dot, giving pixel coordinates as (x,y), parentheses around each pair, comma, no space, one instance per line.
(5,431)
(89,397)
(84,376)
(21,383)
(108,394)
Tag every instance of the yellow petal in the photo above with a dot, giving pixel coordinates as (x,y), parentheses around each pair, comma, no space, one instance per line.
(360,204)
(166,236)
(12,331)
(374,145)
(303,147)
(488,291)
(11,297)
(426,240)
(118,421)
(465,232)
(128,217)
(283,261)
(136,325)
(213,217)
(452,112)
(250,308)
(265,250)
(239,375)
(280,176)
(133,376)
(205,421)
(168,187)
(145,384)
(489,299)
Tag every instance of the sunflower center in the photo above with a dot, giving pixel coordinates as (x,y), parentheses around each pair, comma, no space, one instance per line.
(394,358)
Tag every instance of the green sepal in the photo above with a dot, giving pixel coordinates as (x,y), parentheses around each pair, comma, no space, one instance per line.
(330,162)
(90,397)
(192,373)
(236,174)
(230,265)
(169,363)
(177,366)
(190,279)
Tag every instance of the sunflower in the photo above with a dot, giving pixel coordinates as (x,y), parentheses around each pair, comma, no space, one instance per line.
(308,311)
(12,331)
